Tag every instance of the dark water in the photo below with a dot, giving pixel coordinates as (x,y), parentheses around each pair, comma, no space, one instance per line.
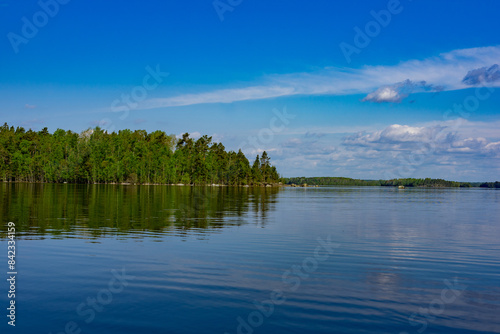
(160,259)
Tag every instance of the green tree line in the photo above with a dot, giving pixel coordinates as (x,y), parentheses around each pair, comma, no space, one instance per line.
(427,182)
(96,156)
(490,185)
(408,182)
(330,181)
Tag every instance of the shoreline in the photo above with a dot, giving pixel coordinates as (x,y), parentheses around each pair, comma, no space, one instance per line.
(265,185)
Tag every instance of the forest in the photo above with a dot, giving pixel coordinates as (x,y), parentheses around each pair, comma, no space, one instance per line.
(490,185)
(330,181)
(96,156)
(408,182)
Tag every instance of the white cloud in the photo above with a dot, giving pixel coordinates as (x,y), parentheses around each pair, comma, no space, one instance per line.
(385,94)
(455,149)
(397,92)
(493,148)
(446,70)
(436,139)
(395,137)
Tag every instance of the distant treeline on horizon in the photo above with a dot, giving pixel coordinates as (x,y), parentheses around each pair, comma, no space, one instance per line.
(96,156)
(409,182)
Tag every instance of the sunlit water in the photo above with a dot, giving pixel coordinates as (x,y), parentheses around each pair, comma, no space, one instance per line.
(217,260)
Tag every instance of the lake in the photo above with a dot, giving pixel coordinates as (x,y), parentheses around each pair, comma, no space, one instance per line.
(166,259)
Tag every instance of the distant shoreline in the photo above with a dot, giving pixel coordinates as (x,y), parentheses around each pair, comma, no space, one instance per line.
(408,182)
(311,183)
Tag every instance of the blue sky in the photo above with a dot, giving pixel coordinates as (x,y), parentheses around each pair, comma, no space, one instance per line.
(365,89)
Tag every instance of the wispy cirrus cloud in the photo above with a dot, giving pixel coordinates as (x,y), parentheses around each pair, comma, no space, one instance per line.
(220,96)
(391,83)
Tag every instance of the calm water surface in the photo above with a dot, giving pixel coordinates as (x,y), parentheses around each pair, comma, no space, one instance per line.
(207,260)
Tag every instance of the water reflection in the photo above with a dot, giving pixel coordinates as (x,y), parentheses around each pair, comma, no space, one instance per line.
(400,253)
(67,210)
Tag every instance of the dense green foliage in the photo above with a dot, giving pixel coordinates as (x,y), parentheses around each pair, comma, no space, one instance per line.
(330,181)
(420,183)
(95,156)
(490,185)
(344,181)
